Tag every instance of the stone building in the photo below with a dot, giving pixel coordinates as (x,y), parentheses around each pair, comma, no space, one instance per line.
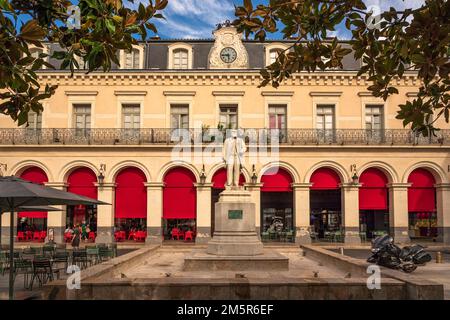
(332,162)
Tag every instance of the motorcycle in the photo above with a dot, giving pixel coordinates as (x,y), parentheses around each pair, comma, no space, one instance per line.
(386,253)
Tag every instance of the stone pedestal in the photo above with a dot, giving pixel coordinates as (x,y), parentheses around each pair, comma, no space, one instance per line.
(235,233)
(235,245)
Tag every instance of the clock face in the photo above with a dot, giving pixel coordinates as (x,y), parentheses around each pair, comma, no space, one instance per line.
(228,55)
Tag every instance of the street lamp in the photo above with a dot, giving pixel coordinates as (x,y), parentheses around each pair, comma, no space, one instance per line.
(355,178)
(203,175)
(254,175)
(101,174)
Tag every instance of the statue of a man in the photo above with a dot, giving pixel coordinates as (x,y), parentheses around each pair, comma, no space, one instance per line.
(233,155)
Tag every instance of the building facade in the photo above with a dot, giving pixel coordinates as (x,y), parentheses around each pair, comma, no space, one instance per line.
(326,160)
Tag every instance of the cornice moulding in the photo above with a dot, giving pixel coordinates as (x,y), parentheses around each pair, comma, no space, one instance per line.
(277,93)
(81,93)
(179,93)
(130,93)
(228,93)
(325,93)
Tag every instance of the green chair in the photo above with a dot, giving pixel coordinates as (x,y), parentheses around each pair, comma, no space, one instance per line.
(363,236)
(265,236)
(24,267)
(106,254)
(290,236)
(48,250)
(93,255)
(272,234)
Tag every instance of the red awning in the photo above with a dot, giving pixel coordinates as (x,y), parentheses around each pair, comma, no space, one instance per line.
(373,194)
(325,179)
(276,181)
(220,178)
(36,175)
(131,194)
(82,181)
(422,193)
(179,195)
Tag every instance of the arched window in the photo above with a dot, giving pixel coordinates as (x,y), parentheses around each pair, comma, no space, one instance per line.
(131,194)
(36,175)
(273,55)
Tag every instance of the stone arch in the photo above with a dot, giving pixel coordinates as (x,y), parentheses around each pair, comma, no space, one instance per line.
(68,168)
(112,174)
(284,165)
(438,173)
(387,169)
(339,169)
(173,164)
(22,165)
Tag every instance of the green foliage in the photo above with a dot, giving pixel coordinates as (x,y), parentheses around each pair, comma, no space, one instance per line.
(408,41)
(106,26)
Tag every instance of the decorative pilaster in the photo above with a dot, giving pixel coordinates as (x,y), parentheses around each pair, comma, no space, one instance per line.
(57,220)
(105,214)
(443,211)
(398,211)
(203,212)
(302,212)
(255,194)
(350,208)
(154,212)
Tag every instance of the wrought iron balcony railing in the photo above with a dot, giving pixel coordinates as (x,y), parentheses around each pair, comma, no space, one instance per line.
(164,136)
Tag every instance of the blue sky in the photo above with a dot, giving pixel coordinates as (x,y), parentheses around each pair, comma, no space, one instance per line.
(197,18)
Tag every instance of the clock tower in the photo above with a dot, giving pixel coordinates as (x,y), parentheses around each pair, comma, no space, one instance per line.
(228,51)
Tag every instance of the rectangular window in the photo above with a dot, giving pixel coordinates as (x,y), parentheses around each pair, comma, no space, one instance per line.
(277,119)
(82,119)
(131,114)
(179,116)
(374,117)
(34,121)
(374,122)
(132,59)
(325,122)
(180,59)
(228,116)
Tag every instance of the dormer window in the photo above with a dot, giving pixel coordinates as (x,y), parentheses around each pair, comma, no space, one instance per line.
(180,56)
(272,52)
(35,52)
(132,59)
(273,55)
(180,59)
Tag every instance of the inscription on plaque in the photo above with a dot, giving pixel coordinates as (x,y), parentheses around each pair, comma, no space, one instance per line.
(234,214)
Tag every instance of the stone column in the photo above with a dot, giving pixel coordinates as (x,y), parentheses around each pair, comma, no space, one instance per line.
(105,214)
(154,212)
(5,227)
(255,194)
(302,212)
(203,212)
(398,211)
(443,211)
(350,211)
(56,220)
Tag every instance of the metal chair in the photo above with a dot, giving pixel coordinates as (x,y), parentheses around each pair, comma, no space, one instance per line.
(60,257)
(93,255)
(106,254)
(42,271)
(24,267)
(79,258)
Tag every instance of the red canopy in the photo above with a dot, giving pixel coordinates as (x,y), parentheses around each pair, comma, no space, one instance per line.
(82,181)
(325,179)
(373,194)
(220,178)
(422,193)
(36,175)
(276,181)
(131,194)
(179,195)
